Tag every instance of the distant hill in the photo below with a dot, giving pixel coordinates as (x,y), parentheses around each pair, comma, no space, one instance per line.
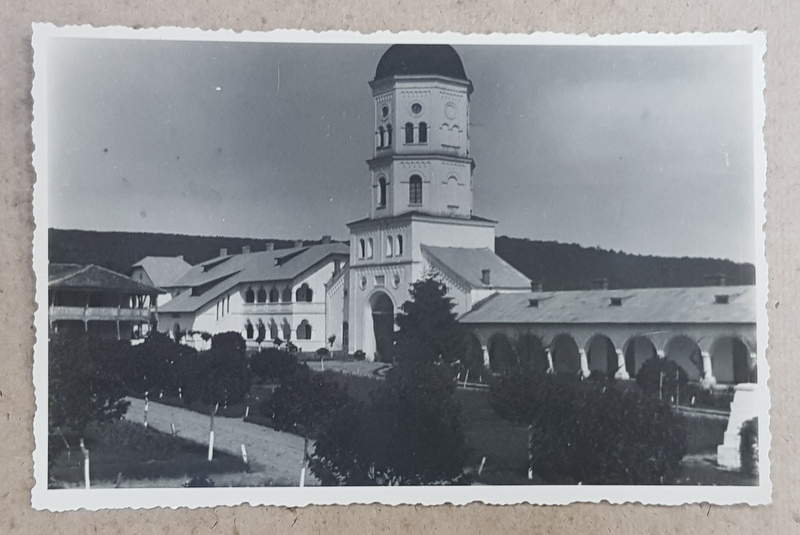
(562,266)
(559,266)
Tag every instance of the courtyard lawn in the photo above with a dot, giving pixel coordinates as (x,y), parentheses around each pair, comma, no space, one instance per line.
(123,451)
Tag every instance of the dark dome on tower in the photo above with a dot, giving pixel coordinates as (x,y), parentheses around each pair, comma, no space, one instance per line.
(400,60)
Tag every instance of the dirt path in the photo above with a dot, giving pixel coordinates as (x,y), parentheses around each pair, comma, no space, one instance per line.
(276,456)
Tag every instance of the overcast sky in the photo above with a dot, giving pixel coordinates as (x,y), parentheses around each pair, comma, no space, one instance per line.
(647,150)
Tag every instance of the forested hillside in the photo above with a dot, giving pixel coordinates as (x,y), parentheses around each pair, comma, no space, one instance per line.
(559,266)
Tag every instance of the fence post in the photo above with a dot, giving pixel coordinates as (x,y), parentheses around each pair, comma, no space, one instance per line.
(85,464)
(530,451)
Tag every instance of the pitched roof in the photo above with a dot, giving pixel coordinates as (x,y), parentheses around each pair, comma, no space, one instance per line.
(214,277)
(163,270)
(468,264)
(650,305)
(91,277)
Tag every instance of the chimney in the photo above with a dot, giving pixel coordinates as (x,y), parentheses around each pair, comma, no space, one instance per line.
(245,249)
(223,252)
(486,276)
(298,244)
(180,256)
(269,246)
(326,238)
(536,286)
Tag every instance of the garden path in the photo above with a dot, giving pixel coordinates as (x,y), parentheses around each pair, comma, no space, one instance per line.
(275,455)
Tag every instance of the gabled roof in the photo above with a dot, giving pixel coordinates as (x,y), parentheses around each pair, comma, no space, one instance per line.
(94,278)
(210,279)
(650,305)
(467,266)
(163,270)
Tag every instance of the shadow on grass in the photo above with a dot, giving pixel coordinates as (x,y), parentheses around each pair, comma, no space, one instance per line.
(124,450)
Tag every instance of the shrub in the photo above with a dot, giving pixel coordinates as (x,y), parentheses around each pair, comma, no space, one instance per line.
(748,446)
(303,402)
(272,363)
(591,434)
(157,365)
(662,376)
(359,355)
(408,433)
(217,376)
(231,342)
(322,352)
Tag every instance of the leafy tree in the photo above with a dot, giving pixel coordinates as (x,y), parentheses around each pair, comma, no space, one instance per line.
(428,319)
(662,377)
(409,433)
(155,366)
(84,386)
(231,342)
(272,363)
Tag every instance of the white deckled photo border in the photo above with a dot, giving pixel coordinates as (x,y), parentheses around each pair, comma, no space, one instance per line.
(99,498)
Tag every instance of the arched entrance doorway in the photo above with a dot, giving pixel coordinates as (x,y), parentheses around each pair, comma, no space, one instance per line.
(686,354)
(730,361)
(637,350)
(379,327)
(602,355)
(566,355)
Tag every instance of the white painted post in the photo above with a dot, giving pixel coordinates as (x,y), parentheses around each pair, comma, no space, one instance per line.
(660,384)
(466,378)
(303,476)
(146,407)
(172,425)
(322,363)
(483,463)
(211,445)
(247,412)
(244,454)
(86,478)
(530,453)
(584,363)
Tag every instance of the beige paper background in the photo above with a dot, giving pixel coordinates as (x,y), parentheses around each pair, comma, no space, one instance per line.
(778,19)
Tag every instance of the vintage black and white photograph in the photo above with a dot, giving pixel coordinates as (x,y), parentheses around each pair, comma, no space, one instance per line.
(299,268)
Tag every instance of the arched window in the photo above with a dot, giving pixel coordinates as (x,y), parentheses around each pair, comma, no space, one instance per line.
(249,296)
(423,132)
(274,295)
(345,334)
(262,331)
(248,329)
(399,245)
(409,133)
(452,192)
(388,135)
(415,190)
(286,296)
(304,330)
(304,294)
(380,137)
(273,329)
(389,245)
(261,297)
(370,245)
(362,249)
(287,330)
(382,192)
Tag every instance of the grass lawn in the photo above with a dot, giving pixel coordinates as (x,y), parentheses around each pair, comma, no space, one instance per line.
(125,450)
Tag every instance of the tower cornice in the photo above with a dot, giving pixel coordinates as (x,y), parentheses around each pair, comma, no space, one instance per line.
(383,160)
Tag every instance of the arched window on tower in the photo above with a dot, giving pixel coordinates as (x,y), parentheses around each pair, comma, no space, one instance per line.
(423,132)
(389,245)
(388,135)
(409,133)
(370,245)
(452,192)
(382,192)
(274,295)
(380,137)
(399,245)
(415,190)
(362,248)
(249,296)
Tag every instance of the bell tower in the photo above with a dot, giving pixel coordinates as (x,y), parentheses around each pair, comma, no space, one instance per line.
(421,161)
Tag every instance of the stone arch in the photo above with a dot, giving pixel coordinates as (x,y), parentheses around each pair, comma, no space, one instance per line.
(502,356)
(249,295)
(273,329)
(287,330)
(685,351)
(638,349)
(532,353)
(378,337)
(304,294)
(304,330)
(261,296)
(730,360)
(382,192)
(601,355)
(248,329)
(274,295)
(566,355)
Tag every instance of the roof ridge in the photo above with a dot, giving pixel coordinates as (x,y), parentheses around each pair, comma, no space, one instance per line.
(70,275)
